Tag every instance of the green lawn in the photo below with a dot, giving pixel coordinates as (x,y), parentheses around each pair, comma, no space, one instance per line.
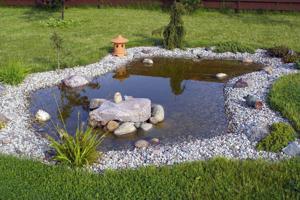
(23,36)
(285,98)
(214,179)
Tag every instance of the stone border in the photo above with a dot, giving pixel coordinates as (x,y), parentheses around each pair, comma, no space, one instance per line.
(18,138)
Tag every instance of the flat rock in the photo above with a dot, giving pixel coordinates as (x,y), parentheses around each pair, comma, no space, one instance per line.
(125,128)
(293,149)
(146,126)
(131,110)
(75,81)
(141,144)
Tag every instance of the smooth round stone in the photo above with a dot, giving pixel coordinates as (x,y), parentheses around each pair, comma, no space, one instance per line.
(42,116)
(221,75)
(112,126)
(158,113)
(118,97)
(125,128)
(155,140)
(141,144)
(148,61)
(146,126)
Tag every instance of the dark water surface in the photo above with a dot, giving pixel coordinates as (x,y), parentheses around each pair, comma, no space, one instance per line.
(188,90)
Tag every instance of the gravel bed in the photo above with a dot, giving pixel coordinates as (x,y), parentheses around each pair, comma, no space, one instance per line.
(19,138)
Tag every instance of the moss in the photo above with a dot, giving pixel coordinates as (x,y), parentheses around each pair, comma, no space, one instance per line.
(281,134)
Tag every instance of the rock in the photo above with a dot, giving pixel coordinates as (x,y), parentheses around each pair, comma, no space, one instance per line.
(96,103)
(247,60)
(155,141)
(293,149)
(125,128)
(112,126)
(158,113)
(128,97)
(241,83)
(141,144)
(137,124)
(133,110)
(153,120)
(146,126)
(3,121)
(75,81)
(253,102)
(42,116)
(221,75)
(2,89)
(268,70)
(257,132)
(148,61)
(118,97)
(146,51)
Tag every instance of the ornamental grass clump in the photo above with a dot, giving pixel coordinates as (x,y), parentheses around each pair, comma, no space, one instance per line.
(281,134)
(174,32)
(233,47)
(78,150)
(13,73)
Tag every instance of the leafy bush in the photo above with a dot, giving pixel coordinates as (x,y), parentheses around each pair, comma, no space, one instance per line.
(281,134)
(287,55)
(79,150)
(233,47)
(13,73)
(174,33)
(190,5)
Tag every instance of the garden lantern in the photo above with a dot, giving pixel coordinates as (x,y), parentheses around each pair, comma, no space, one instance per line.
(119,46)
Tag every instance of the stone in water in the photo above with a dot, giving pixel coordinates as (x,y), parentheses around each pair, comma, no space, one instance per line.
(75,81)
(221,75)
(125,128)
(146,126)
(42,116)
(148,61)
(141,144)
(118,97)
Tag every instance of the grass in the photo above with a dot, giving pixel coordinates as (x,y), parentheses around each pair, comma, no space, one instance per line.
(25,37)
(13,73)
(284,97)
(213,179)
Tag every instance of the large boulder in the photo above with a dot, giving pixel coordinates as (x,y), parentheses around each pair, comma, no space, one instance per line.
(75,81)
(125,128)
(130,110)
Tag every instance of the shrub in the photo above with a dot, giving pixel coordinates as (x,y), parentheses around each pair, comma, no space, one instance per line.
(79,150)
(233,47)
(287,55)
(13,73)
(174,33)
(281,134)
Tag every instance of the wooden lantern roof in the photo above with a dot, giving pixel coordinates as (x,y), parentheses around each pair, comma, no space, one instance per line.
(119,40)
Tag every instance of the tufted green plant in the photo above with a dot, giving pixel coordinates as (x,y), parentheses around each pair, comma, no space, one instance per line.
(78,150)
(13,73)
(233,47)
(281,134)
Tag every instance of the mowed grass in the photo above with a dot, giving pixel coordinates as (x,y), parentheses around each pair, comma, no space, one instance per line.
(284,97)
(214,179)
(25,38)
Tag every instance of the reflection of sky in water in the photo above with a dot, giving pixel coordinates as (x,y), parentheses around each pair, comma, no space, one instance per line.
(192,98)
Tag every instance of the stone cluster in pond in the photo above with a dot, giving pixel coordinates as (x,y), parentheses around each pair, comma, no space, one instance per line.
(123,117)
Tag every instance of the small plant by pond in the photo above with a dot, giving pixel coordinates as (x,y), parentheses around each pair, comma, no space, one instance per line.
(287,54)
(57,43)
(13,73)
(77,150)
(281,134)
(233,47)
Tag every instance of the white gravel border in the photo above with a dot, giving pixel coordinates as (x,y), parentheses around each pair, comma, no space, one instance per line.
(19,138)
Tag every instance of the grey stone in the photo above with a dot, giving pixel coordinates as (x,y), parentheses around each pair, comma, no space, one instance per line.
(158,113)
(137,124)
(155,141)
(75,81)
(241,83)
(125,128)
(141,144)
(132,110)
(257,132)
(153,120)
(146,126)
(293,149)
(96,103)
(42,116)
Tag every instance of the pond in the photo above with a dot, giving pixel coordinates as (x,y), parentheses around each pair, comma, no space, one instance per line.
(187,89)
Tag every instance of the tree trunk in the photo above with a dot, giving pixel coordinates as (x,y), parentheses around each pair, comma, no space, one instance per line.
(62,9)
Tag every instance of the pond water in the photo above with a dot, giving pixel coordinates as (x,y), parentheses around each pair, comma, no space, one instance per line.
(188,90)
